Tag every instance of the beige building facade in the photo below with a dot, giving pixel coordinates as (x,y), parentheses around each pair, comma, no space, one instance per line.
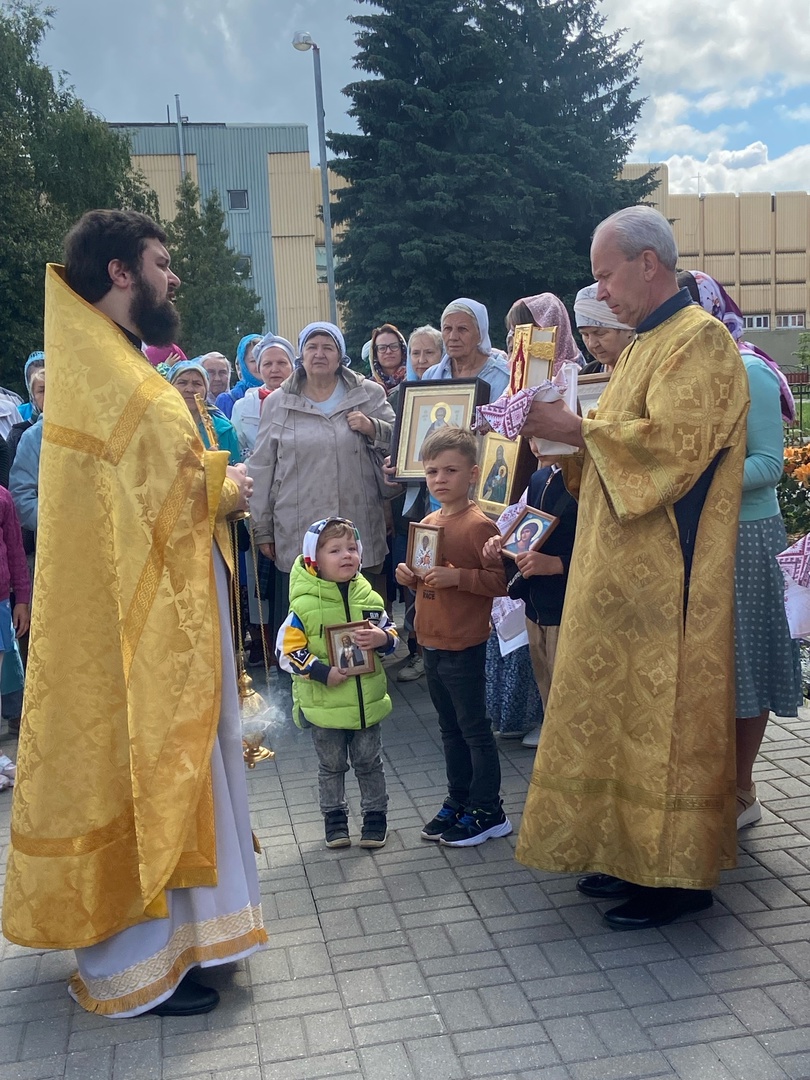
(271,196)
(757,245)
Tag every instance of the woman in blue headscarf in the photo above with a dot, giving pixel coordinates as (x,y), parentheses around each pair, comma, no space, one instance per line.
(246,366)
(34,363)
(190,378)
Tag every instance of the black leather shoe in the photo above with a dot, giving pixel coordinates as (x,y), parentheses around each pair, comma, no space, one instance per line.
(606,887)
(189,999)
(657,907)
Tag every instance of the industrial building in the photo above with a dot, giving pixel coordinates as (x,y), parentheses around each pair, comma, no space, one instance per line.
(271,196)
(756,244)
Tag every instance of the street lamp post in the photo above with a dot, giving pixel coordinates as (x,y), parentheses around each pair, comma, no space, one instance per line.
(302,40)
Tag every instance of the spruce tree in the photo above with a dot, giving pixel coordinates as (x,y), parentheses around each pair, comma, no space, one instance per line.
(216,308)
(491,136)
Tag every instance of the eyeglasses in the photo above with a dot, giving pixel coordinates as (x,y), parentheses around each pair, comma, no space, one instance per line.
(389,348)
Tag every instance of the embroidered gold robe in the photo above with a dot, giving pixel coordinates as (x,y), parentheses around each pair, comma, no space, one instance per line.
(635,772)
(112,803)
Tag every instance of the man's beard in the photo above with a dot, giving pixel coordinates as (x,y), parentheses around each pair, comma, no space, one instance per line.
(157,322)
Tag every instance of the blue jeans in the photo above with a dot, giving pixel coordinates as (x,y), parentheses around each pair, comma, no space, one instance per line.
(457,688)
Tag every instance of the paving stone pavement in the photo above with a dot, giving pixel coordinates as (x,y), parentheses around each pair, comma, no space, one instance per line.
(417,962)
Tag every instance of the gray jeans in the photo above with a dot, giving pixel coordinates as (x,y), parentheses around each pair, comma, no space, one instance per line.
(334,748)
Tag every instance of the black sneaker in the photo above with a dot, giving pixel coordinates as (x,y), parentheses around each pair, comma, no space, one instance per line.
(447,816)
(336,825)
(375,830)
(255,657)
(476,827)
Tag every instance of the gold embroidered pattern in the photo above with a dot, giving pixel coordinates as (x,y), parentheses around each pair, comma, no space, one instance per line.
(148,391)
(192,943)
(73,440)
(632,794)
(145,590)
(58,846)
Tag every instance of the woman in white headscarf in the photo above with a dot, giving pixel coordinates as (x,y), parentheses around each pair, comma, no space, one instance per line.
(603,335)
(468,352)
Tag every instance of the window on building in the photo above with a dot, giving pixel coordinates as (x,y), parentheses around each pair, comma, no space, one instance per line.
(238,199)
(757,322)
(320,264)
(789,322)
(244,266)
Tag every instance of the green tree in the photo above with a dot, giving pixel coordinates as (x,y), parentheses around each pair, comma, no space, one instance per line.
(492,133)
(802,354)
(57,160)
(215,306)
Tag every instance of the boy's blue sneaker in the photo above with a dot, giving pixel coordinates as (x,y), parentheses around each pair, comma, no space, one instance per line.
(446,817)
(475,828)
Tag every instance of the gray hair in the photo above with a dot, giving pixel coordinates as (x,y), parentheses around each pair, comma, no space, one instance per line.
(641,228)
(428,332)
(216,356)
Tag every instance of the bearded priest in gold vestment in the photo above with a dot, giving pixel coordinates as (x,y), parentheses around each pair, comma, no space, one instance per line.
(130,837)
(634,778)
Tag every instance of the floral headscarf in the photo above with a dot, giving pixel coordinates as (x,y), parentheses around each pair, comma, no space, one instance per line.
(547,311)
(713,298)
(388,382)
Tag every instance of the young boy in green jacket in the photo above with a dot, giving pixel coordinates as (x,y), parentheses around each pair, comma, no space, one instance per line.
(343,710)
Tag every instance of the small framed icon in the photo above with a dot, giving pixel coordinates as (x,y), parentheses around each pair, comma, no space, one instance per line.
(344,652)
(424,547)
(528,533)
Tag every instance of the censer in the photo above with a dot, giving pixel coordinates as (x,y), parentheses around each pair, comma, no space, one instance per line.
(253,709)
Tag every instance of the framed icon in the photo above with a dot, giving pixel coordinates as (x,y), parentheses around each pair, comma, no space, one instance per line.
(506,466)
(428,406)
(590,389)
(344,652)
(424,547)
(528,533)
(532,356)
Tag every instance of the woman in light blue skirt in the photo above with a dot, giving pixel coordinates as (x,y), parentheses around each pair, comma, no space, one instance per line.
(767,665)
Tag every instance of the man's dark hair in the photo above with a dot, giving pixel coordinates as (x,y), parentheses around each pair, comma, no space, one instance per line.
(99,237)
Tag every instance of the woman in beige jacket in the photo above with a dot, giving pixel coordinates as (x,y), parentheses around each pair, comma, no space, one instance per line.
(321,441)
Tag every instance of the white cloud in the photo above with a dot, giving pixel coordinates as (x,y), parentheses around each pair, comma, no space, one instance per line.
(748,169)
(718,100)
(663,127)
(801,114)
(695,64)
(697,47)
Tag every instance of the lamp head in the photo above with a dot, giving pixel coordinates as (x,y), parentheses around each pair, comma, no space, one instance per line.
(302,40)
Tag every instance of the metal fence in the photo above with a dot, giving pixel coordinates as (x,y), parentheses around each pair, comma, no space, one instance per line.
(799,431)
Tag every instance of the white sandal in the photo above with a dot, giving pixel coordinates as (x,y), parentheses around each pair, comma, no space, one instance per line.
(751,811)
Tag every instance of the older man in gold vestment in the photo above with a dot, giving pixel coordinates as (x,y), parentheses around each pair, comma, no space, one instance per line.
(130,838)
(634,778)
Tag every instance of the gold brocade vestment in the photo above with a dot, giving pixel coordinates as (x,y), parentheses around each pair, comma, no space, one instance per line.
(635,772)
(112,803)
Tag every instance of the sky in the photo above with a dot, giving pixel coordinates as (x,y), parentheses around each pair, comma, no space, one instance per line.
(727,85)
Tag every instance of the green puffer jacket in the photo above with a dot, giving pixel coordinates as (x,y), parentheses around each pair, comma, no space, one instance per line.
(360,701)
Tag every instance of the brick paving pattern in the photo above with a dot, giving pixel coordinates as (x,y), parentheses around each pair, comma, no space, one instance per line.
(417,962)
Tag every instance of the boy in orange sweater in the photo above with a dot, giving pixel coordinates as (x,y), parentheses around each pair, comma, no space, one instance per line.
(453,606)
